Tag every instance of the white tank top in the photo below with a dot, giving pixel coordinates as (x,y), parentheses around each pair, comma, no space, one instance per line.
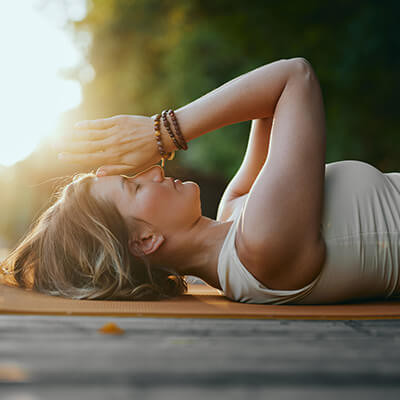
(240,285)
(361,229)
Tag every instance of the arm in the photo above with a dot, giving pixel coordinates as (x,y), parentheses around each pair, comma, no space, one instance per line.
(254,159)
(279,239)
(125,143)
(250,96)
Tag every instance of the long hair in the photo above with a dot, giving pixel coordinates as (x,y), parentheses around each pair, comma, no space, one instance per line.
(78,248)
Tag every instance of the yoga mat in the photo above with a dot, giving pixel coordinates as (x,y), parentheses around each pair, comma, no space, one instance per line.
(201,301)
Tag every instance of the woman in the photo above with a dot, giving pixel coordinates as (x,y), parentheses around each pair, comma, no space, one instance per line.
(288,230)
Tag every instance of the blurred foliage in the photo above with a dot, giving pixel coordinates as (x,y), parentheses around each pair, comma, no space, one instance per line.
(152,54)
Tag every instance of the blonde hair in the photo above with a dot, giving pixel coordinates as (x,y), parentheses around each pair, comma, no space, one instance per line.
(78,248)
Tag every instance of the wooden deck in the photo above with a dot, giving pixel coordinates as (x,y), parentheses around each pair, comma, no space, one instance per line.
(57,357)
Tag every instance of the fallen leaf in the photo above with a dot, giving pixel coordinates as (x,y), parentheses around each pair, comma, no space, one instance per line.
(111,329)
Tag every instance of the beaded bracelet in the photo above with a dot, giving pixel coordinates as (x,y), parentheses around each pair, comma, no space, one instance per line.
(177,129)
(164,155)
(168,128)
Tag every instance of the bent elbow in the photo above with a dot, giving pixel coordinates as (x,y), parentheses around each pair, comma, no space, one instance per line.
(302,66)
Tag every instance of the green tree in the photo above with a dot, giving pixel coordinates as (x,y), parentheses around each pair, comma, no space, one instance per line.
(149,55)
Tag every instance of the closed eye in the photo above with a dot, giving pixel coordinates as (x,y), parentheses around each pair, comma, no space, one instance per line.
(124,179)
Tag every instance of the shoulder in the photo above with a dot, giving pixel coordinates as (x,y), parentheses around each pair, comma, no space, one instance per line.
(268,266)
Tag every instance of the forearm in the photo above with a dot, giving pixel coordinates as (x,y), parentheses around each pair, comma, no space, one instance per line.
(254,159)
(258,146)
(250,96)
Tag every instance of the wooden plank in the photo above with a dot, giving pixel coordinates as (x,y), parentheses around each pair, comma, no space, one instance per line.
(194,393)
(168,356)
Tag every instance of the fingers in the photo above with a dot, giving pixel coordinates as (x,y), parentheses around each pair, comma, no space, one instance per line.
(115,170)
(102,123)
(87,140)
(84,158)
(122,169)
(90,146)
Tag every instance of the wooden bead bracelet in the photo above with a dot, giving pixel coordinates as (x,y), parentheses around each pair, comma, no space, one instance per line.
(161,150)
(177,129)
(179,146)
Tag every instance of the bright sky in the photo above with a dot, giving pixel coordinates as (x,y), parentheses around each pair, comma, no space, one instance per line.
(34,46)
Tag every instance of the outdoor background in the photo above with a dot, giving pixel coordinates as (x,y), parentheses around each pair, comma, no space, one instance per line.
(142,56)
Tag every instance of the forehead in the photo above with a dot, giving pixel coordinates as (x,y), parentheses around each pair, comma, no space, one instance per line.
(105,186)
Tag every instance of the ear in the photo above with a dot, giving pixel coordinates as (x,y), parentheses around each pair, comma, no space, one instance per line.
(148,243)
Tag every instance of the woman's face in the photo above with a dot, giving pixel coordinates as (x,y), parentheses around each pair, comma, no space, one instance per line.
(149,196)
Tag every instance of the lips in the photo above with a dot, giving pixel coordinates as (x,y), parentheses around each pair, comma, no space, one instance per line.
(174,182)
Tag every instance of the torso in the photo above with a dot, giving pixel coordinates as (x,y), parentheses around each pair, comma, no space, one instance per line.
(352,188)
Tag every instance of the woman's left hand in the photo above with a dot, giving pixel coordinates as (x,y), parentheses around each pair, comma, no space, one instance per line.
(122,144)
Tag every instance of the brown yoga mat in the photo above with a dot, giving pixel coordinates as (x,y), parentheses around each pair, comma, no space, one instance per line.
(201,301)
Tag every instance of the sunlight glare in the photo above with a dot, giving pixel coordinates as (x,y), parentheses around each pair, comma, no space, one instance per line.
(33,94)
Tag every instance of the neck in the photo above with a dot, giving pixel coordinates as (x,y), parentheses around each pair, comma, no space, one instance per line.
(195,251)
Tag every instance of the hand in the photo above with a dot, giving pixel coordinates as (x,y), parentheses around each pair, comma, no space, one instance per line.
(122,144)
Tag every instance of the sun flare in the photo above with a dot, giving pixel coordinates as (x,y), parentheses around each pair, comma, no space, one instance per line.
(33,94)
